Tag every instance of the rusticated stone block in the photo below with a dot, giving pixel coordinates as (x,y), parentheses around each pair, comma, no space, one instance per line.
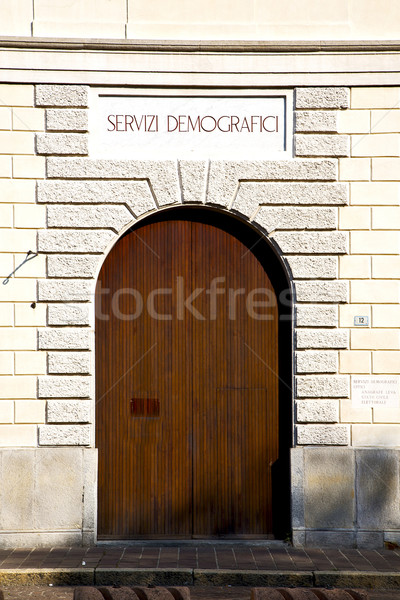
(193,179)
(68,411)
(316,121)
(253,194)
(58,290)
(72,266)
(316,362)
(61,143)
(322,338)
(321,291)
(307,242)
(313,267)
(68,362)
(135,194)
(225,175)
(323,435)
(316,316)
(89,217)
(64,387)
(317,411)
(68,314)
(61,95)
(74,241)
(285,217)
(301,170)
(323,386)
(163,175)
(64,339)
(322,97)
(67,119)
(322,145)
(64,435)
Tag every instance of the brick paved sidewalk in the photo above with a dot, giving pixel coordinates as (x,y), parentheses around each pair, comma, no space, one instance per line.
(246,557)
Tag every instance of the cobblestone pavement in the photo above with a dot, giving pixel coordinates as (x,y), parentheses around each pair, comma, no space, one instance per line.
(203,556)
(203,593)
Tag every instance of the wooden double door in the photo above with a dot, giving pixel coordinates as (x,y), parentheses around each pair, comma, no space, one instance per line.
(186,383)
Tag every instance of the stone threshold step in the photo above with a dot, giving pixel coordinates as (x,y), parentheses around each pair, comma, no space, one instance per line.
(193,543)
(200,577)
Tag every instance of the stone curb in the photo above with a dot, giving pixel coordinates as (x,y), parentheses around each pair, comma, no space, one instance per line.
(47,576)
(222,577)
(201,577)
(361,579)
(112,576)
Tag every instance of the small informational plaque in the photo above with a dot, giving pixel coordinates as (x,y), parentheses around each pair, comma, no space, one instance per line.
(375,390)
(189,127)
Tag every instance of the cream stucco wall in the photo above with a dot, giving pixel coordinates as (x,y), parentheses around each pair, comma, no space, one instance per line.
(207,19)
(373,263)
(20,219)
(371,220)
(341,245)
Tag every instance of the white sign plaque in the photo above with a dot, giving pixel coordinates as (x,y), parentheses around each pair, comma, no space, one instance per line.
(375,390)
(201,127)
(361,321)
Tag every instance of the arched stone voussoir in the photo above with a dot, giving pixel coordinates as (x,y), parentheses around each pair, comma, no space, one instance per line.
(164,181)
(137,194)
(193,176)
(225,177)
(162,175)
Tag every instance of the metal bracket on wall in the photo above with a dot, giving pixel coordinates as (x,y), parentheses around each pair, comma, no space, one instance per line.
(29,256)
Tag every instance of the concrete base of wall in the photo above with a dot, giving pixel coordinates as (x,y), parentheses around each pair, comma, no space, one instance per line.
(340,497)
(345,497)
(47,497)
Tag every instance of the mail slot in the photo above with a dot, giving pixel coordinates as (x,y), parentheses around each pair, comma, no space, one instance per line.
(145,407)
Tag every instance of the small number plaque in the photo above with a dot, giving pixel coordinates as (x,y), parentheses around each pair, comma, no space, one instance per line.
(361,321)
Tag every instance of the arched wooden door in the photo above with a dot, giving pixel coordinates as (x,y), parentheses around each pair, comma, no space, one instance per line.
(187,410)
